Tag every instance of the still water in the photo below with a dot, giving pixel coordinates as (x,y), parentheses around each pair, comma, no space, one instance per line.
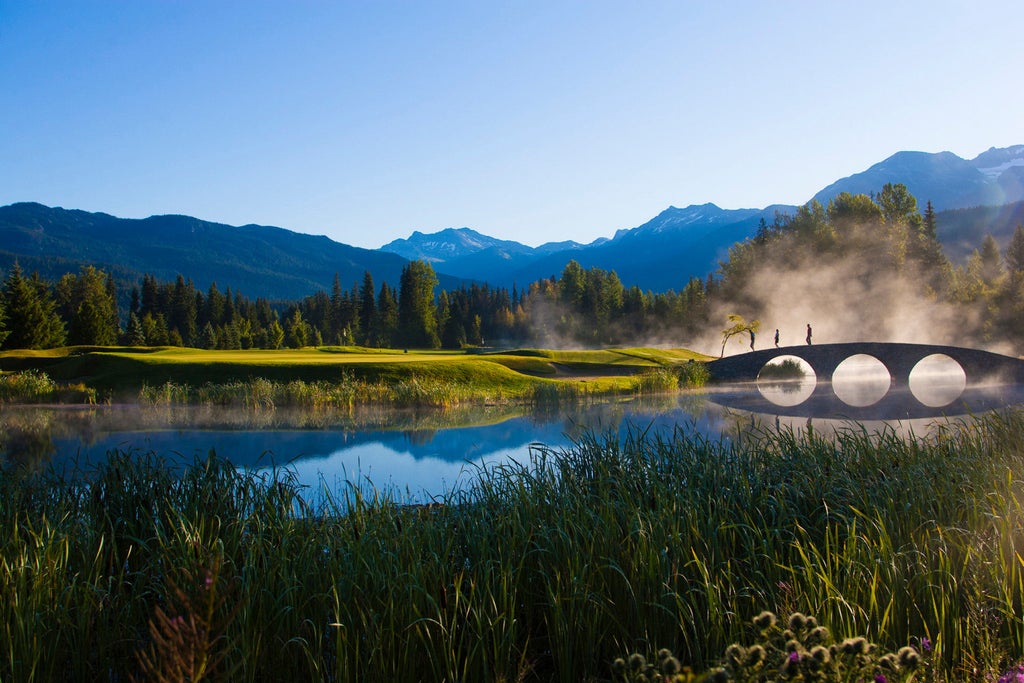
(417,456)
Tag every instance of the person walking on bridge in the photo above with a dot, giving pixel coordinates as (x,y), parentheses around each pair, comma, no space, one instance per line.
(808,334)
(776,337)
(751,340)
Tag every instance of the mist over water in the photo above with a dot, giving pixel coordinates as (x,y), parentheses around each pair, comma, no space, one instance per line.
(414,456)
(787,391)
(861,380)
(937,380)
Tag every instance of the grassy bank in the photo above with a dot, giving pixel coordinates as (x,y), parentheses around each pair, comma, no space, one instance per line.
(342,377)
(547,572)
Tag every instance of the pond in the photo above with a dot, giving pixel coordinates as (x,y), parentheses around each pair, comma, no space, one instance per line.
(418,455)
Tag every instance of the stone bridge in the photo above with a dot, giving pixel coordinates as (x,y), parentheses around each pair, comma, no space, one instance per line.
(980,368)
(898,359)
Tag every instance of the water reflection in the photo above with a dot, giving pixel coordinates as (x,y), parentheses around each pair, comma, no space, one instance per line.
(417,455)
(937,380)
(861,380)
(786,381)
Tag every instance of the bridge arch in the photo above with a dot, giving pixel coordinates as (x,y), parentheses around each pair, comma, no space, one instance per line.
(786,380)
(861,380)
(899,359)
(937,380)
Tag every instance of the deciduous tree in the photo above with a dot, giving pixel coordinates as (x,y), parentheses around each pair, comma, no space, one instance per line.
(738,326)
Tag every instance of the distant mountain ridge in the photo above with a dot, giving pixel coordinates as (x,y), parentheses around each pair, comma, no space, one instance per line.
(694,239)
(256,260)
(660,254)
(960,230)
(677,237)
(993,178)
(454,243)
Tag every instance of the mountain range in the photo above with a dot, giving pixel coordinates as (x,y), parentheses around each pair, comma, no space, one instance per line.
(256,260)
(693,240)
(984,194)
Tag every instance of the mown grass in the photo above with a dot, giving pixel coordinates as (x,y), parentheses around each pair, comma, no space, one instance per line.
(341,377)
(547,571)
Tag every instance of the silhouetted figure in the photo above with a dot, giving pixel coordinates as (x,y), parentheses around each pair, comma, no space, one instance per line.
(751,340)
(776,338)
(808,334)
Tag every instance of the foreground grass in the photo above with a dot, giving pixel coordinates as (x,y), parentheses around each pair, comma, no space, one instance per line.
(547,572)
(343,377)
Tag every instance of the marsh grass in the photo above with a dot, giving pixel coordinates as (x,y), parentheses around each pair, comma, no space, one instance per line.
(405,392)
(544,571)
(34,386)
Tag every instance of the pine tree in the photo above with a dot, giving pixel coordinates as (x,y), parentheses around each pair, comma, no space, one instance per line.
(367,309)
(417,321)
(3,322)
(991,262)
(134,334)
(182,314)
(207,338)
(928,225)
(213,308)
(275,335)
(32,318)
(150,299)
(154,328)
(88,304)
(50,331)
(297,331)
(387,317)
(1014,255)
(337,320)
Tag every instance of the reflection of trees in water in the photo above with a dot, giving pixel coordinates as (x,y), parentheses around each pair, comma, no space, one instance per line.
(420,437)
(740,424)
(789,368)
(26,442)
(368,418)
(781,385)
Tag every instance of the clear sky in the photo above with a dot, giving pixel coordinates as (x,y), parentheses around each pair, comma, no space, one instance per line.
(533,120)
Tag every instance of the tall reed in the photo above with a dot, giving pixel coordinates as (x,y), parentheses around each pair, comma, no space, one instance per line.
(33,386)
(548,570)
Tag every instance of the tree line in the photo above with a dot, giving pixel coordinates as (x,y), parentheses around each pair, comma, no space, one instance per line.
(881,245)
(82,309)
(580,306)
(872,236)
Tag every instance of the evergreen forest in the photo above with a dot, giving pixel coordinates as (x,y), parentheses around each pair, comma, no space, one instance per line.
(883,240)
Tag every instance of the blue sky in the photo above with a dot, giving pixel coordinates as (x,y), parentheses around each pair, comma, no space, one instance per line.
(528,120)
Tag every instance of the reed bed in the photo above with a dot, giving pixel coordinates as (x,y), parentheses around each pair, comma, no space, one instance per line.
(411,392)
(692,375)
(548,571)
(33,386)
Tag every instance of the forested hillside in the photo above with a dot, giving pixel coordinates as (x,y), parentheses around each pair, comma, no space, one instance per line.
(274,263)
(861,268)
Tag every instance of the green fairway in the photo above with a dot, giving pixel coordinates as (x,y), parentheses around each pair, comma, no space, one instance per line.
(120,373)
